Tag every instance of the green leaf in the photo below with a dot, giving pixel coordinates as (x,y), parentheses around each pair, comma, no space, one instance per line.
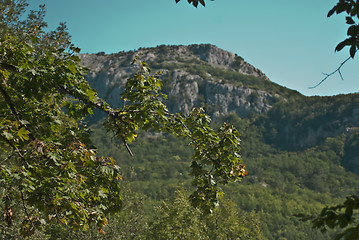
(71,67)
(23,134)
(352,31)
(7,135)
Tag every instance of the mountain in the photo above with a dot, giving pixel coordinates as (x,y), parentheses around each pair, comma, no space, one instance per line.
(222,82)
(192,76)
(302,153)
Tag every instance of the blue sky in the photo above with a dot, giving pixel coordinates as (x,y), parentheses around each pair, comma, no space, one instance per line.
(292,42)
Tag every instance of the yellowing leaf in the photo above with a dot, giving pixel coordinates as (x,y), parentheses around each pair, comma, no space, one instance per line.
(4,74)
(23,134)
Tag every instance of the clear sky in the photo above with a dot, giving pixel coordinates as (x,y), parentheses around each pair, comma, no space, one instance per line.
(291,41)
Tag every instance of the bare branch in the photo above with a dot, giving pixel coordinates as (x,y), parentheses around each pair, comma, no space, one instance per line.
(327,75)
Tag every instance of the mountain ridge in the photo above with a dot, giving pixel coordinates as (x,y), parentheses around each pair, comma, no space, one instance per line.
(222,82)
(193,71)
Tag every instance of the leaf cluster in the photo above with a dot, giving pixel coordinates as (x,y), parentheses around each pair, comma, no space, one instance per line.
(216,153)
(48,163)
(351,8)
(195,2)
(339,216)
(177,219)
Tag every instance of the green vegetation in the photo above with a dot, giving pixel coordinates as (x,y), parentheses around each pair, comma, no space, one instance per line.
(49,172)
(280,183)
(172,218)
(178,220)
(289,122)
(205,70)
(54,185)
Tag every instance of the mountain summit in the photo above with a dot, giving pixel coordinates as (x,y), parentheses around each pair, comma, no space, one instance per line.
(194,75)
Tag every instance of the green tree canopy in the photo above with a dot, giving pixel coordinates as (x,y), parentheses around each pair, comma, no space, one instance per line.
(351,8)
(49,171)
(178,220)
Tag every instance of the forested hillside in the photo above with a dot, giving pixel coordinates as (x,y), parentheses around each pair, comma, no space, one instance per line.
(300,152)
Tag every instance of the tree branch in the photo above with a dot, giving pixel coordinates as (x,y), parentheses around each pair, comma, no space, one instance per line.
(127,147)
(23,205)
(9,102)
(327,75)
(8,67)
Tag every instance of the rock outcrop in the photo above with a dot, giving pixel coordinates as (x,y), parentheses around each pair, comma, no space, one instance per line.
(223,83)
(185,88)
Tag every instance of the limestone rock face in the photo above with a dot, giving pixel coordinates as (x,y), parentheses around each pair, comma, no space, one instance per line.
(218,57)
(184,86)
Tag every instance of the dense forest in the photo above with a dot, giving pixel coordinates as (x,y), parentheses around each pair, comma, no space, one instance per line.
(281,183)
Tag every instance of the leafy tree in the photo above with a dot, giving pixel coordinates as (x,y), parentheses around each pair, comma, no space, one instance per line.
(351,8)
(177,219)
(130,223)
(229,222)
(49,171)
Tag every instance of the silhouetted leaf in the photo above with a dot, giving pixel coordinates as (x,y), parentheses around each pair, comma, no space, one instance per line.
(352,51)
(332,11)
(350,20)
(340,46)
(202,2)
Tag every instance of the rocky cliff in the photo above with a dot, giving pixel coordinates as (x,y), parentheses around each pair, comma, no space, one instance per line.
(192,76)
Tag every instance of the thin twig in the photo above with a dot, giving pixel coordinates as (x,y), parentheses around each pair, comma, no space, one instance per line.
(127,147)
(23,205)
(9,102)
(327,75)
